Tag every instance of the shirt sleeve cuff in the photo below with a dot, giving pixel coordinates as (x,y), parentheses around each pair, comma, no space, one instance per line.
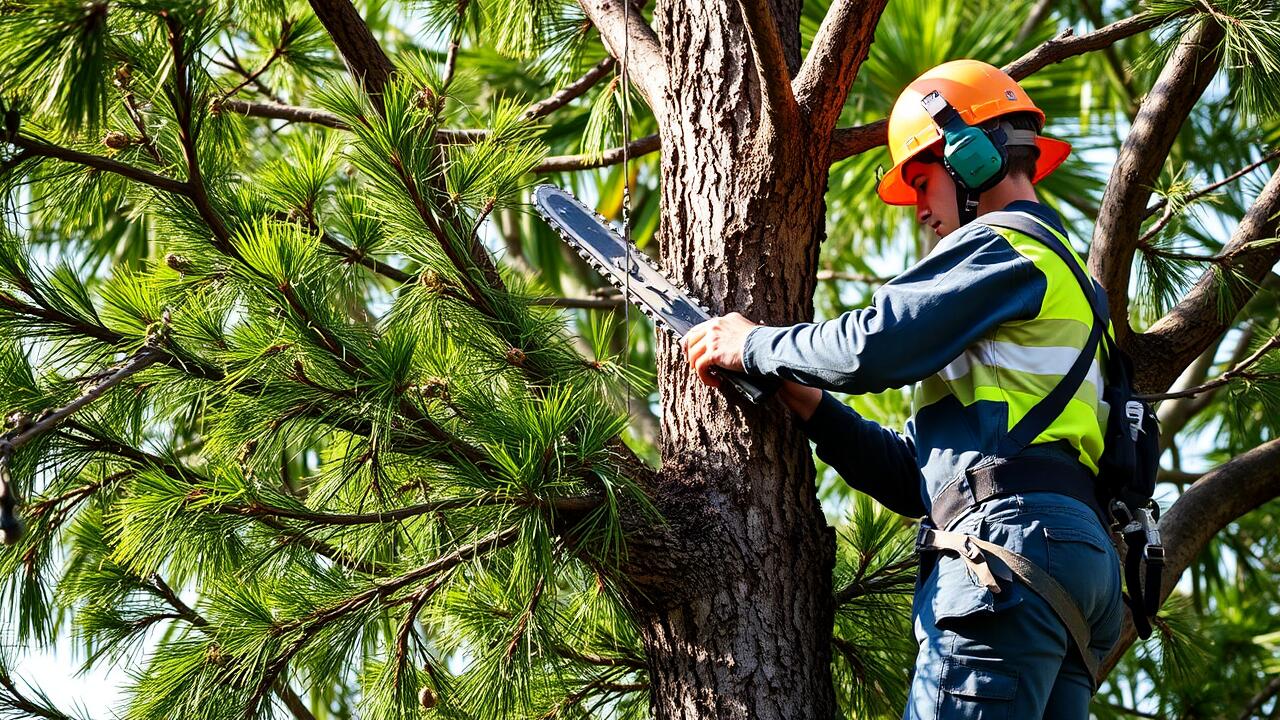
(752,348)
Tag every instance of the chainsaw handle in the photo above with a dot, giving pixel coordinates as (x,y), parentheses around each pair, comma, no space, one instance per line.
(755,388)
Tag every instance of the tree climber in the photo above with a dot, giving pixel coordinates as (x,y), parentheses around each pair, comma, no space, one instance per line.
(987,326)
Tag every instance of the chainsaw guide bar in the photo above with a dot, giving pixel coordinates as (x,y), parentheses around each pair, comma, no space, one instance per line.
(672,308)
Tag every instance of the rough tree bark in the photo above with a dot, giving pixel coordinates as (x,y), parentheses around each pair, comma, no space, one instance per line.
(745,632)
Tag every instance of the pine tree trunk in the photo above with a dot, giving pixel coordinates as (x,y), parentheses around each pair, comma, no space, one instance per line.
(745,630)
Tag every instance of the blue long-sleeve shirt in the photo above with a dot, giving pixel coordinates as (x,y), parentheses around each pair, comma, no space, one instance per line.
(917,325)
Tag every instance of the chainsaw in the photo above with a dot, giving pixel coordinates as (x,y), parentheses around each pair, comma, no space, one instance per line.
(672,309)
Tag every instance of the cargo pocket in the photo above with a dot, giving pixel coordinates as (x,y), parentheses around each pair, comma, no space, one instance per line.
(972,691)
(1078,559)
(959,595)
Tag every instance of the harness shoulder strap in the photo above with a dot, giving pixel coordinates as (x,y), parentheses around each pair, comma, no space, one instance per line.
(1042,415)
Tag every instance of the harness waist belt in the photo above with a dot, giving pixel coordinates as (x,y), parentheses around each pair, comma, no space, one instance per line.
(998,477)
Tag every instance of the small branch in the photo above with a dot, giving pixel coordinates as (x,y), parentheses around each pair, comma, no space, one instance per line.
(568,163)
(583,303)
(839,49)
(31,146)
(293,113)
(352,255)
(571,91)
(237,67)
(21,703)
(162,589)
(93,442)
(277,111)
(122,82)
(286,694)
(252,77)
(648,68)
(1267,692)
(896,578)
(255,509)
(1237,371)
(1068,45)
(312,624)
(16,438)
(777,100)
(606,661)
(1206,312)
(1189,197)
(418,601)
(182,100)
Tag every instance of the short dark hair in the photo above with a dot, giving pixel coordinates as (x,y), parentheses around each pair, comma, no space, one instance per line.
(1022,158)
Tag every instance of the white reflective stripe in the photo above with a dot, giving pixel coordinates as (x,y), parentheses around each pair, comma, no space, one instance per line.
(1011,356)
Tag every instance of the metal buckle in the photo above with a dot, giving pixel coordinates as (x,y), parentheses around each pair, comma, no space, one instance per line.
(922,535)
(1133,411)
(1153,554)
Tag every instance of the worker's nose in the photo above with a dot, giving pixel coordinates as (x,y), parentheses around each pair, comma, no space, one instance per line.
(922,214)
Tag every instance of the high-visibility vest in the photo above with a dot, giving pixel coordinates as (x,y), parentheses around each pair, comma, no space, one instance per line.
(1018,362)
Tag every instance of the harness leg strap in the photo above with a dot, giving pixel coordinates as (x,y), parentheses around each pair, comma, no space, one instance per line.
(1031,575)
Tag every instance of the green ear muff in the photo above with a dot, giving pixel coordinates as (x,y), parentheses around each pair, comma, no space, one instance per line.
(973,156)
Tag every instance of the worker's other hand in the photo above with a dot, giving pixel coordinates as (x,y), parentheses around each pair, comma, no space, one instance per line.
(716,342)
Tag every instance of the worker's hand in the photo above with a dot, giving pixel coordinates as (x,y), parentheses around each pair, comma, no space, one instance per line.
(716,342)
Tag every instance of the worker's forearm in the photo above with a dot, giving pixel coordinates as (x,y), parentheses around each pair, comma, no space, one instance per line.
(801,399)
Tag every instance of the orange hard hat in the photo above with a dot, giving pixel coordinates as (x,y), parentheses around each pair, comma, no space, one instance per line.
(979,92)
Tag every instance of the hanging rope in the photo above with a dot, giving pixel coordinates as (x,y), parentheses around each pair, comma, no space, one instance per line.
(624,75)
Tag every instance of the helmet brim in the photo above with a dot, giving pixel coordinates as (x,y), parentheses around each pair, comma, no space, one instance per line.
(894,190)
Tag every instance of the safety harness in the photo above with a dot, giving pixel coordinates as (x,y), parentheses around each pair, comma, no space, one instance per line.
(1021,469)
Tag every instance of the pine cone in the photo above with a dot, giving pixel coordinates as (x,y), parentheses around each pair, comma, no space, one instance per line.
(436,388)
(178,262)
(431,280)
(117,140)
(123,75)
(427,698)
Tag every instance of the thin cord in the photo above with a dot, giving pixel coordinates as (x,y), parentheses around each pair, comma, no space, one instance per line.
(626,188)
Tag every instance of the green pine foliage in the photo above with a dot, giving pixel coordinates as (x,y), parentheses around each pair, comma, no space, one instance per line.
(369,465)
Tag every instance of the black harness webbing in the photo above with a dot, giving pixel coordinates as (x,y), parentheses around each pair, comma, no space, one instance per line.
(998,477)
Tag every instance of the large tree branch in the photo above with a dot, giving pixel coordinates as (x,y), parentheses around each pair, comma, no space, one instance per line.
(1228,492)
(1160,117)
(646,66)
(847,142)
(770,62)
(1206,312)
(838,50)
(360,51)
